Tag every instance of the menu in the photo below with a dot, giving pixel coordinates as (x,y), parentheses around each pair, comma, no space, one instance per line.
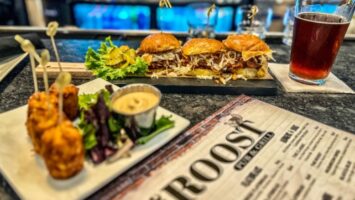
(253,150)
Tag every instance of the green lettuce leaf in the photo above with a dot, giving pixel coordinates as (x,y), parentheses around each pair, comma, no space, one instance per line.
(86,101)
(95,61)
(88,130)
(162,124)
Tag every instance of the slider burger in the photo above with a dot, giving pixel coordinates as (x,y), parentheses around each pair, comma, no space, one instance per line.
(162,53)
(246,56)
(203,56)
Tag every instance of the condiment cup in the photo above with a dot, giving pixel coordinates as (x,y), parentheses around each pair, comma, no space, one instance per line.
(135,122)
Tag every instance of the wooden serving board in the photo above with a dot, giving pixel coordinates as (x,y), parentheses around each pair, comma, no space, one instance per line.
(77,70)
(266,86)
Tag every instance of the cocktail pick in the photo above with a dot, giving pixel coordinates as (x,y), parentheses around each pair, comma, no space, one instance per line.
(253,11)
(63,79)
(45,57)
(209,12)
(51,31)
(165,3)
(27,47)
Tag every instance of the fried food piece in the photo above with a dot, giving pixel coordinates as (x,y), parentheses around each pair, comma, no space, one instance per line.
(70,100)
(41,119)
(39,100)
(62,150)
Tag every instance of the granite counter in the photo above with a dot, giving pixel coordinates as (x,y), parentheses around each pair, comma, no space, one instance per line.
(336,110)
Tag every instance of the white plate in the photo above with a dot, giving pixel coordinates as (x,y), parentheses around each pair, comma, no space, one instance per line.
(28,176)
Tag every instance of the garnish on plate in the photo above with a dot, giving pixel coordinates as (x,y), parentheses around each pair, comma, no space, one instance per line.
(160,125)
(104,134)
(111,62)
(101,131)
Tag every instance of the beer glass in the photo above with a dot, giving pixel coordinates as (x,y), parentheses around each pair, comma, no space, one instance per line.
(319,30)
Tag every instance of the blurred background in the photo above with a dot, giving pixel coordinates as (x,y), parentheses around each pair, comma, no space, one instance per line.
(133,14)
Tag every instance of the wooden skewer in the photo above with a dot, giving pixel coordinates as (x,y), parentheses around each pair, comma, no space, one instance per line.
(63,79)
(51,32)
(34,76)
(44,61)
(169,4)
(209,11)
(165,3)
(28,47)
(253,11)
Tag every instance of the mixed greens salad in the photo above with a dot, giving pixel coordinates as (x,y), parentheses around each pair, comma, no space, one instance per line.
(111,62)
(103,131)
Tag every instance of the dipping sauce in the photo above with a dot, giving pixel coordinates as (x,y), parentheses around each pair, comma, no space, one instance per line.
(135,102)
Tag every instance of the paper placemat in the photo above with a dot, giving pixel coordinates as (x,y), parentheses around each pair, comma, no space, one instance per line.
(332,84)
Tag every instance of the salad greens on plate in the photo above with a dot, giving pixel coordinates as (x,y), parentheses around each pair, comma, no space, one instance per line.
(103,131)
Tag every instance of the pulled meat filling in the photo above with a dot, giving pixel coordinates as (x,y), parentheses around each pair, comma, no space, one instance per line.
(204,61)
(169,60)
(223,62)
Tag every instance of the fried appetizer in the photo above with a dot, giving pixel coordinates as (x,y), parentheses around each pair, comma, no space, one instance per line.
(70,100)
(39,101)
(39,121)
(246,55)
(203,56)
(62,150)
(162,53)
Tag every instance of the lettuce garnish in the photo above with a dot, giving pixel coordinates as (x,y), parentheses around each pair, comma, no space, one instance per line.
(126,62)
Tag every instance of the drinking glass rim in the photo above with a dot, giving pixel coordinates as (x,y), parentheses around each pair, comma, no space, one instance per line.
(322,13)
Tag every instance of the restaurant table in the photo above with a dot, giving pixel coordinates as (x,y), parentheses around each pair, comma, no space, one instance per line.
(336,110)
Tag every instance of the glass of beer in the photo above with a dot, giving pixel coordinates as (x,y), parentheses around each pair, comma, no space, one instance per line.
(319,30)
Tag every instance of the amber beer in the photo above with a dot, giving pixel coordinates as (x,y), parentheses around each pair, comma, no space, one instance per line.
(316,41)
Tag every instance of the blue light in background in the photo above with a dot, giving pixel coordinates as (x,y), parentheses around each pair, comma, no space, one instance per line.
(96,16)
(101,16)
(175,19)
(324,8)
(225,19)
(172,19)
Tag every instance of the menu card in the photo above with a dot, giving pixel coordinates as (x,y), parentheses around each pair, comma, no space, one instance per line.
(253,150)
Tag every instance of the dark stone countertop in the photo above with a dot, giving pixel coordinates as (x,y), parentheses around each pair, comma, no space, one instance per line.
(336,110)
